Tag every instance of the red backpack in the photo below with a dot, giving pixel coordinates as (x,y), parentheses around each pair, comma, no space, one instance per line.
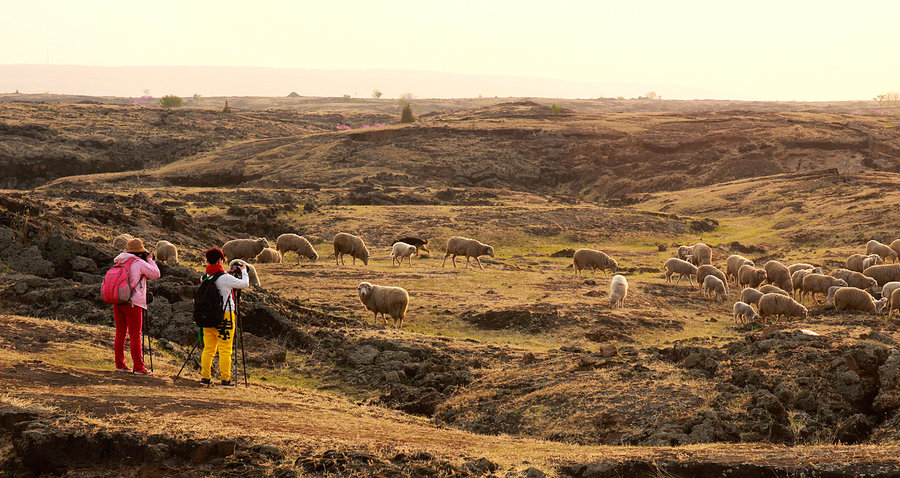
(116,288)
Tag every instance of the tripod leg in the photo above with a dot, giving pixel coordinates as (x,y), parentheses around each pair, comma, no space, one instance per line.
(149,342)
(190,354)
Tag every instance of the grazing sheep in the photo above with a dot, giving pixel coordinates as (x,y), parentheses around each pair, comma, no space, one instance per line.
(618,290)
(467,247)
(251,271)
(684,252)
(751,295)
(402,250)
(797,278)
(895,302)
(818,284)
(349,244)
(166,252)
(884,273)
(895,245)
(778,275)
(245,249)
(269,256)
(800,266)
(292,242)
(384,300)
(780,305)
(771,289)
(855,279)
(593,259)
(859,262)
(745,312)
(709,270)
(851,298)
(889,289)
(421,244)
(702,254)
(121,241)
(682,268)
(714,285)
(831,290)
(733,265)
(883,250)
(750,276)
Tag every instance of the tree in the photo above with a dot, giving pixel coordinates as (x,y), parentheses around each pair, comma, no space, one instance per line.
(170,101)
(405,99)
(888,98)
(406,116)
(651,95)
(197,98)
(555,109)
(376,93)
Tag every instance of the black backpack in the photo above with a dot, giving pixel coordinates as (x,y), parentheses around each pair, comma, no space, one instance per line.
(208,306)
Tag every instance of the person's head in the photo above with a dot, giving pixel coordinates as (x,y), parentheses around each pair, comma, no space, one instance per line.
(136,247)
(215,256)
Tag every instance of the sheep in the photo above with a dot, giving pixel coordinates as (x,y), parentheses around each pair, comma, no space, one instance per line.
(714,285)
(166,252)
(702,254)
(618,290)
(245,249)
(593,259)
(798,275)
(745,312)
(349,244)
(468,247)
(268,256)
(851,298)
(292,242)
(780,305)
(800,266)
(829,299)
(771,289)
(896,246)
(818,284)
(889,288)
(684,252)
(400,250)
(384,300)
(733,265)
(682,268)
(750,276)
(859,262)
(420,244)
(855,279)
(251,271)
(707,270)
(894,301)
(751,295)
(121,241)
(883,250)
(778,275)
(884,273)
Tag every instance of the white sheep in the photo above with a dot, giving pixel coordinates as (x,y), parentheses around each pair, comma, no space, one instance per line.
(166,252)
(618,290)
(751,295)
(245,249)
(685,252)
(851,298)
(682,268)
(294,243)
(121,241)
(251,271)
(830,295)
(883,250)
(745,312)
(714,285)
(894,301)
(384,300)
(859,262)
(401,250)
(349,244)
(593,259)
(883,273)
(889,288)
(466,247)
(733,265)
(702,254)
(775,304)
(269,256)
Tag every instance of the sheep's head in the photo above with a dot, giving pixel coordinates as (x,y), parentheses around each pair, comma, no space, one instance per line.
(365,290)
(263,242)
(488,251)
(313,255)
(880,304)
(684,252)
(613,265)
(816,270)
(876,259)
(840,282)
(803,313)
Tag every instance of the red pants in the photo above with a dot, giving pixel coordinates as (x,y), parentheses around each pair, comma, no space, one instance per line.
(129,319)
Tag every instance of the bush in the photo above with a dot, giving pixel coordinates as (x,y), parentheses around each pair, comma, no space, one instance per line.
(406,116)
(376,94)
(170,101)
(555,109)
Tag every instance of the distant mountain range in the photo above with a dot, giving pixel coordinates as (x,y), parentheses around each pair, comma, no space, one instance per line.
(131,81)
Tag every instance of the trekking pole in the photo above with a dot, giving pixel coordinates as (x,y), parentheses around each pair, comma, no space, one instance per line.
(149,341)
(241,332)
(190,354)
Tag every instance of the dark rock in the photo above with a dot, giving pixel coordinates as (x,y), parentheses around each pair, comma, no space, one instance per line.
(532,472)
(564,253)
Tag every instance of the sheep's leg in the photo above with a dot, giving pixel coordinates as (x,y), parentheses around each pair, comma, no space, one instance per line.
(445,260)
(454,260)
(479,263)
(410,261)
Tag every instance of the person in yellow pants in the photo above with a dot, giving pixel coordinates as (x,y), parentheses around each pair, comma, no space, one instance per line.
(221,339)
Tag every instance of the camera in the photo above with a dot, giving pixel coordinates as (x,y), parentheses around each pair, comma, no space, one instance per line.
(236,270)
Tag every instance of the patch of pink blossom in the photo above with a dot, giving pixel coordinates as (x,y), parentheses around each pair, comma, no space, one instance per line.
(143,101)
(342,127)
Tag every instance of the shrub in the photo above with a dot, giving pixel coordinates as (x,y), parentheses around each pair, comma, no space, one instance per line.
(170,101)
(555,109)
(376,93)
(406,116)
(226,109)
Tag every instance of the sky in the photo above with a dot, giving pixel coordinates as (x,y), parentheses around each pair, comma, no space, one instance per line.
(765,50)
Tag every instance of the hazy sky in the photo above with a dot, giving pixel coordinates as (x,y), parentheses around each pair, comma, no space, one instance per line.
(781,49)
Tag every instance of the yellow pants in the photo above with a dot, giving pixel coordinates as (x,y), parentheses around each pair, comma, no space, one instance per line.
(221,339)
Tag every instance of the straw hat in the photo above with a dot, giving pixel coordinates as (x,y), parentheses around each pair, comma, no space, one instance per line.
(135,246)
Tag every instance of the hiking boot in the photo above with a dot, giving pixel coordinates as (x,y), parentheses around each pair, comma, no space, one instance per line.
(126,369)
(204,382)
(228,383)
(143,371)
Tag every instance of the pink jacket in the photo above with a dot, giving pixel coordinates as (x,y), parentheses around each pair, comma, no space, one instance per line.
(140,272)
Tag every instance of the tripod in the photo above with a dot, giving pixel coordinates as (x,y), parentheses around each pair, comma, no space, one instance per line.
(188,359)
(240,325)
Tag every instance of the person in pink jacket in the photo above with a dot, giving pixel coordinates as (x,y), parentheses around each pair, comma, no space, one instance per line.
(129,317)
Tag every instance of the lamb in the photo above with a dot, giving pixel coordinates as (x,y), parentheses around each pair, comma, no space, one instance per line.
(400,250)
(714,285)
(618,290)
(421,244)
(251,271)
(750,276)
(883,250)
(884,273)
(894,301)
(889,288)
(384,300)
(745,312)
(855,279)
(349,244)
(593,259)
(829,299)
(733,265)
(778,275)
(707,270)
(121,241)
(751,295)
(468,247)
(682,268)
(818,284)
(800,266)
(778,305)
(771,289)
(702,254)
(245,249)
(851,298)
(166,252)
(294,243)
(859,262)
(269,256)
